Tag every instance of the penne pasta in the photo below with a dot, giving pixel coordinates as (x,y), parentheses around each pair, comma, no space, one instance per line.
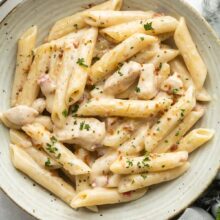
(95,197)
(105,19)
(163,73)
(55,149)
(191,56)
(75,22)
(136,143)
(152,26)
(60,108)
(124,108)
(78,78)
(148,163)
(38,67)
(163,56)
(179,131)
(170,119)
(194,139)
(122,78)
(40,157)
(123,51)
(26,44)
(45,121)
(137,181)
(121,133)
(49,180)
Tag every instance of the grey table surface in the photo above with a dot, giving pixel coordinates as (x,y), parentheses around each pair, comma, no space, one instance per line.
(8,209)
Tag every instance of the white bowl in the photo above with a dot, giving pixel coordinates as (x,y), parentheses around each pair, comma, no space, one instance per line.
(163,201)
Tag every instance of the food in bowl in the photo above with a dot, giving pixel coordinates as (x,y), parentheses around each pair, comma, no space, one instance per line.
(108,101)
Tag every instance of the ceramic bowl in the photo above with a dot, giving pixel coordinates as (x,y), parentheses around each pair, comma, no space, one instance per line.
(164,201)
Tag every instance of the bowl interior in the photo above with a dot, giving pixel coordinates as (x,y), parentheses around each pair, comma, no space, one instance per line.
(163,201)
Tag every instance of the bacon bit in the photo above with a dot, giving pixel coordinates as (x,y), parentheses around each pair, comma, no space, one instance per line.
(128,128)
(174,147)
(128,194)
(76,44)
(158,14)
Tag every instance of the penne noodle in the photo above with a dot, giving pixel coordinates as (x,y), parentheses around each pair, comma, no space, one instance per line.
(194,139)
(60,108)
(26,44)
(203,95)
(105,19)
(152,26)
(86,132)
(95,197)
(124,108)
(49,180)
(136,143)
(170,119)
(179,131)
(75,22)
(122,78)
(101,168)
(123,51)
(137,181)
(163,56)
(121,133)
(191,56)
(148,163)
(55,149)
(40,157)
(147,53)
(147,84)
(38,67)
(81,68)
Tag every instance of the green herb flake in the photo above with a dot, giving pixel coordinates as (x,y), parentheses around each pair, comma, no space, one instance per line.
(81,61)
(129,163)
(166,141)
(177,133)
(84,126)
(47,163)
(160,66)
(142,38)
(51,148)
(120,73)
(175,91)
(65,113)
(58,156)
(148,26)
(81,125)
(144,176)
(53,140)
(74,108)
(87,127)
(137,89)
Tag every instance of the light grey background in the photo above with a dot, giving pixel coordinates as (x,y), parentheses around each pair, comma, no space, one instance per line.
(9,210)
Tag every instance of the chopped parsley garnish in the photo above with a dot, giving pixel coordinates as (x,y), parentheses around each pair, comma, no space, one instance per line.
(47,163)
(53,140)
(132,182)
(175,91)
(137,89)
(120,73)
(166,141)
(51,148)
(142,38)
(144,176)
(81,61)
(58,156)
(129,163)
(148,26)
(160,66)
(65,113)
(75,26)
(84,126)
(177,133)
(74,108)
